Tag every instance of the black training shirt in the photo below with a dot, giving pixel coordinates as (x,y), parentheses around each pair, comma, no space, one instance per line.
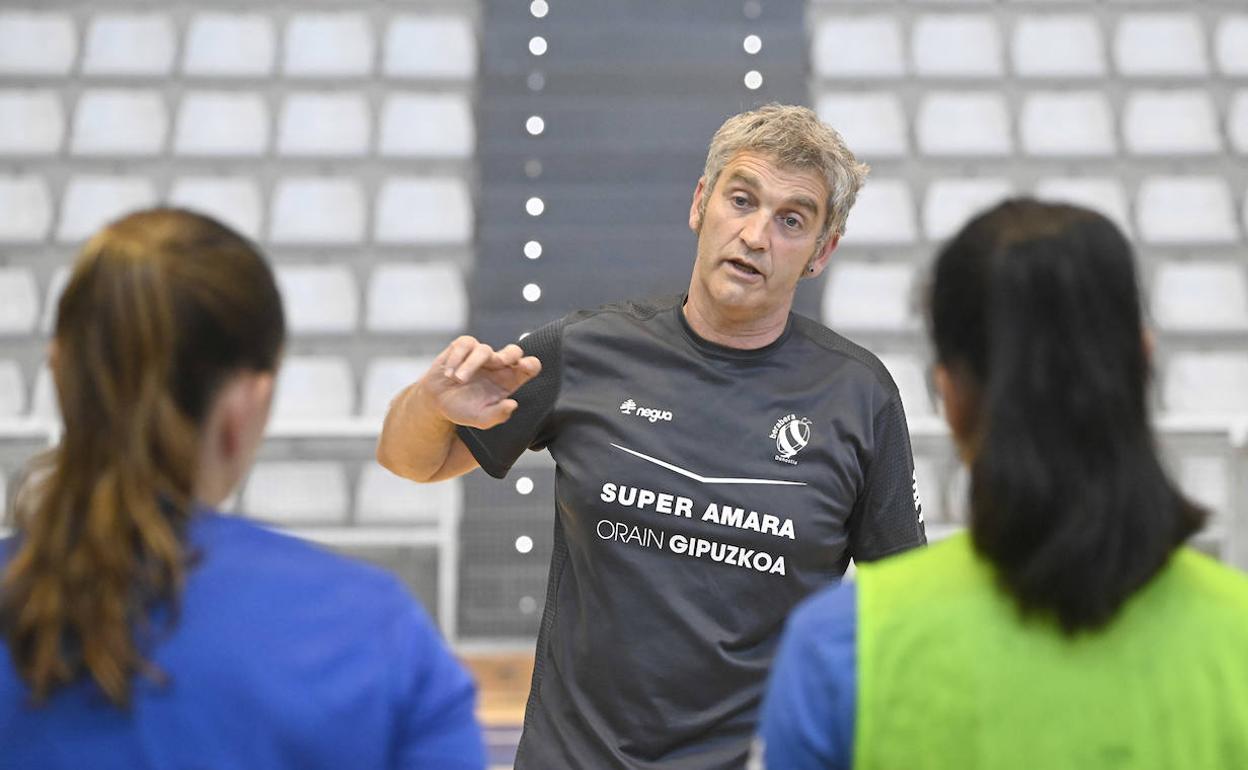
(701,492)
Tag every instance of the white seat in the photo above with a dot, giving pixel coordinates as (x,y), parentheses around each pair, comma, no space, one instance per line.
(12,392)
(385,377)
(222,123)
(435,125)
(1078,123)
(1231,44)
(1058,46)
(56,287)
(319,298)
(36,43)
(872,124)
(90,202)
(883,213)
(43,402)
(1237,122)
(1105,196)
(32,122)
(869,296)
(1160,44)
(1206,383)
(423,210)
(317,210)
(956,45)
(300,492)
(129,44)
(229,45)
(27,206)
(1185,210)
(964,123)
(432,47)
(911,378)
(328,45)
(234,201)
(324,124)
(119,122)
(1171,123)
(314,387)
(19,301)
(858,47)
(950,203)
(1207,480)
(1200,296)
(383,498)
(427,297)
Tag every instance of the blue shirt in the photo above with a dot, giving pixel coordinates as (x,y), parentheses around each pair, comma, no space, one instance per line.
(284,656)
(808,714)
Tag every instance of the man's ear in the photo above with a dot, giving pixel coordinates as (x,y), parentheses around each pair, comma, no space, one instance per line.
(695,208)
(820,260)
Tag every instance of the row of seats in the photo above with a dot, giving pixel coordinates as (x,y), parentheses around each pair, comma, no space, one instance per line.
(1059,123)
(1168,210)
(301,209)
(1040,45)
(321,387)
(1195,296)
(1207,477)
(306,492)
(430,298)
(238,45)
(1188,209)
(427,297)
(340,124)
(125,122)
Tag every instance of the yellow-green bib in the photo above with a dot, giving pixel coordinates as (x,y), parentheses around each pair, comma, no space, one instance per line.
(950,676)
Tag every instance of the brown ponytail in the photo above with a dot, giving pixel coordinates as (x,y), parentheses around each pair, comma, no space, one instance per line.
(161,307)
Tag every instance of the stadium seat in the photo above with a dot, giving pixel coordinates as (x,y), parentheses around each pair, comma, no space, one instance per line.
(299,492)
(1106,196)
(949,203)
(1160,45)
(861,295)
(12,390)
(428,125)
(1058,46)
(883,213)
(27,206)
(90,202)
(37,43)
(229,45)
(854,47)
(428,210)
(234,201)
(1171,123)
(328,45)
(383,498)
(1067,123)
(1189,209)
(1206,383)
(129,45)
(319,299)
(1200,296)
(314,387)
(221,123)
(964,124)
(317,210)
(430,47)
(426,297)
(32,122)
(19,301)
(324,124)
(956,45)
(873,124)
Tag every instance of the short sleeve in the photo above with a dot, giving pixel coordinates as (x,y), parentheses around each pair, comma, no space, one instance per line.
(438,729)
(888,516)
(807,720)
(529,427)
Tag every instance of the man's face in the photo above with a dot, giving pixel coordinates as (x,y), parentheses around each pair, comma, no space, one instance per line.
(757,238)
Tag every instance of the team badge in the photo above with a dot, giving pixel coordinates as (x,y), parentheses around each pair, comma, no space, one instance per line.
(791,434)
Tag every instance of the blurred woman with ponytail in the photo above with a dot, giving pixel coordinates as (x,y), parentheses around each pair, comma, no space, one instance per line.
(141,628)
(1070,627)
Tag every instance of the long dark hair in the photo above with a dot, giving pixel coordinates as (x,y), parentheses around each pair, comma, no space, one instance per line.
(1035,308)
(161,307)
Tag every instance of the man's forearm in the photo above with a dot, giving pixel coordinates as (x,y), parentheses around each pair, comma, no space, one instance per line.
(416,441)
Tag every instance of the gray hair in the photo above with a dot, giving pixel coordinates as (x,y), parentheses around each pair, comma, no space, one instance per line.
(795,137)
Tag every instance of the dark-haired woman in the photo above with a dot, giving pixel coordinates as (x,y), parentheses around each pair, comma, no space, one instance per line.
(1070,628)
(141,629)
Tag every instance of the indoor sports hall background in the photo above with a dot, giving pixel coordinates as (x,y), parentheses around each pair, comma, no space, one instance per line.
(421,169)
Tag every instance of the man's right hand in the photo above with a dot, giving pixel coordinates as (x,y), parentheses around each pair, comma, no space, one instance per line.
(470,383)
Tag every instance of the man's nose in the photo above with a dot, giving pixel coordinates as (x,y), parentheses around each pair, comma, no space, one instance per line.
(754,231)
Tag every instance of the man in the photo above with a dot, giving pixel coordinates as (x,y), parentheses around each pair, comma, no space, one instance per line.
(719,458)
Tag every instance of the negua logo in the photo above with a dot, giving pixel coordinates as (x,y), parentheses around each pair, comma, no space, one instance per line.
(645,412)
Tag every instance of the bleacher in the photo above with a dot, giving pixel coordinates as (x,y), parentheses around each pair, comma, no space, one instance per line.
(417,170)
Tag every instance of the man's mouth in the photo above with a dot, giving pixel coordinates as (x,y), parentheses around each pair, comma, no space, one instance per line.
(745,268)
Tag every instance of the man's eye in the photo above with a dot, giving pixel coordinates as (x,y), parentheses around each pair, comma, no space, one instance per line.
(740,201)
(792,223)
